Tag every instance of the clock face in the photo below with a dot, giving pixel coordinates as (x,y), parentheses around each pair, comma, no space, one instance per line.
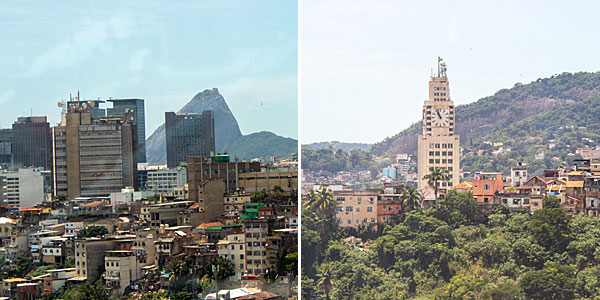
(441,118)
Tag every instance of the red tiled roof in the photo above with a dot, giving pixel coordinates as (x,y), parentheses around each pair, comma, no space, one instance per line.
(94,204)
(29,209)
(210,224)
(264,295)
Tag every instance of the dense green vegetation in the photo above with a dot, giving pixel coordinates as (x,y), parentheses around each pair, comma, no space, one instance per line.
(331,160)
(92,231)
(448,254)
(262,144)
(346,147)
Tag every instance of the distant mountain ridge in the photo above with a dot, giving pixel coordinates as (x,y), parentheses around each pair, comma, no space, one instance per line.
(347,147)
(228,137)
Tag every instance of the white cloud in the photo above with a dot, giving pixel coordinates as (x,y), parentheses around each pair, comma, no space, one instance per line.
(82,44)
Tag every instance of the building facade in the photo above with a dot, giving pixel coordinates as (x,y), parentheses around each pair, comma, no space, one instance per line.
(31,145)
(356,207)
(135,108)
(93,158)
(438,145)
(25,187)
(201,169)
(163,181)
(6,149)
(189,135)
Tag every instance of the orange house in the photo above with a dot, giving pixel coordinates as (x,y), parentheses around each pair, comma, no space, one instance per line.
(485,185)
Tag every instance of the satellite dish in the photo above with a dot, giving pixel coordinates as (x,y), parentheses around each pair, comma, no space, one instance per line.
(92,103)
(84,105)
(60,104)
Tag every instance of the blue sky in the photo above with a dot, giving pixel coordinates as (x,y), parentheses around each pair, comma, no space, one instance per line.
(162,51)
(366,64)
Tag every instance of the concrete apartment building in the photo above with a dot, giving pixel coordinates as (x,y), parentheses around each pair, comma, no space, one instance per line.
(72,228)
(210,201)
(201,169)
(388,205)
(233,248)
(356,207)
(256,231)
(122,269)
(89,256)
(26,187)
(438,145)
(31,146)
(235,202)
(57,279)
(189,135)
(518,174)
(164,181)
(134,108)
(93,157)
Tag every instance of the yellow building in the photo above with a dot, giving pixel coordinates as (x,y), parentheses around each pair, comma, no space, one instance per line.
(233,248)
(235,202)
(6,227)
(257,181)
(355,208)
(439,146)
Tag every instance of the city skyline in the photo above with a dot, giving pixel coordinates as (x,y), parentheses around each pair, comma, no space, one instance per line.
(377,69)
(162,53)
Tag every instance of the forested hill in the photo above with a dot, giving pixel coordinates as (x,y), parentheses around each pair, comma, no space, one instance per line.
(556,133)
(476,120)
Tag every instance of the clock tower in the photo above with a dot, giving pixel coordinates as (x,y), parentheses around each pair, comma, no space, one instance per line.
(438,145)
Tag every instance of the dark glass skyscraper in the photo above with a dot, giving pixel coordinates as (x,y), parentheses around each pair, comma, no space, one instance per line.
(136,108)
(31,146)
(189,135)
(6,148)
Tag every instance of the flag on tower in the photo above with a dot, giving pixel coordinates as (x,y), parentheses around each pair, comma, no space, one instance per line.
(439,58)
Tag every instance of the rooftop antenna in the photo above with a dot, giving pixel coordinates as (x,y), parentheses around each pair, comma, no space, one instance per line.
(439,64)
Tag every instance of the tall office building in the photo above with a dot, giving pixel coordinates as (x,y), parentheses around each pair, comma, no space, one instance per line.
(93,157)
(6,149)
(189,135)
(31,146)
(135,108)
(438,146)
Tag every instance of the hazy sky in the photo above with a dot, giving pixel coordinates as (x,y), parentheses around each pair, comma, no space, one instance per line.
(365,65)
(162,51)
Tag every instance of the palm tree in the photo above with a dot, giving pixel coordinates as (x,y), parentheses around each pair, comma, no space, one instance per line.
(411,198)
(321,202)
(436,174)
(325,281)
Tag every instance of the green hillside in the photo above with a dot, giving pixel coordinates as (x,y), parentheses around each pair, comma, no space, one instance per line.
(262,144)
(557,133)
